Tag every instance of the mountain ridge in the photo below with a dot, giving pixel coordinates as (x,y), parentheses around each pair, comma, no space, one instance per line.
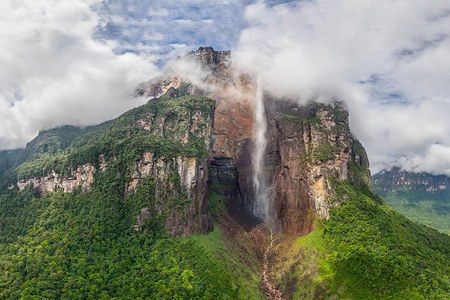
(423,197)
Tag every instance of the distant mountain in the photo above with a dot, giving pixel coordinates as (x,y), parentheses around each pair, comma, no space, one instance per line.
(421,196)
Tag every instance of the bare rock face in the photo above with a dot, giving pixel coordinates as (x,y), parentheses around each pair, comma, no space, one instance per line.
(230,166)
(168,141)
(214,67)
(81,178)
(180,180)
(308,146)
(181,183)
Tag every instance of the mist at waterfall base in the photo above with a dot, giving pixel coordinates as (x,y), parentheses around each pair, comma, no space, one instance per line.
(386,60)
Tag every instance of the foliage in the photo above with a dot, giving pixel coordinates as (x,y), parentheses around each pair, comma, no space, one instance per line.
(297,265)
(63,149)
(325,152)
(245,278)
(83,246)
(292,119)
(366,250)
(378,253)
(425,208)
(420,196)
(8,159)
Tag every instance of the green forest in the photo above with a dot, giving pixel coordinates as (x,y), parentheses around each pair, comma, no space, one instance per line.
(82,245)
(429,209)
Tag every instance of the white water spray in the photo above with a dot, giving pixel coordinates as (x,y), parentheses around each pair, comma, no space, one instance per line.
(261,205)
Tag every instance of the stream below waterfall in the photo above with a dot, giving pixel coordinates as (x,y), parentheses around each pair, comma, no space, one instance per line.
(270,289)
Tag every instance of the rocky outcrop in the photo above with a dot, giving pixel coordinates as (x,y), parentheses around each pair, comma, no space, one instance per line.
(81,178)
(189,145)
(167,140)
(309,146)
(213,74)
(180,191)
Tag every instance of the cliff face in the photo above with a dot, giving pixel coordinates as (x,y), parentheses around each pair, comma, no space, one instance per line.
(166,141)
(396,179)
(82,178)
(307,146)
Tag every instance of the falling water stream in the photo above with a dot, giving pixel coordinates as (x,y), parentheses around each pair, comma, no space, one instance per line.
(262,195)
(261,205)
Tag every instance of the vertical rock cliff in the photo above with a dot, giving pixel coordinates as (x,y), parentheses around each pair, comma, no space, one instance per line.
(200,133)
(308,146)
(162,148)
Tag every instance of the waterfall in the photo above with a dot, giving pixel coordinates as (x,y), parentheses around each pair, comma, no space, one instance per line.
(261,205)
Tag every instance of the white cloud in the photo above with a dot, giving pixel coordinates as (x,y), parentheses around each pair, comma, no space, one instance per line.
(177,26)
(430,161)
(387,59)
(55,73)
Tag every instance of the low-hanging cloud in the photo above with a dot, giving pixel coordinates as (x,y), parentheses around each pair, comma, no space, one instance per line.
(55,73)
(78,61)
(387,59)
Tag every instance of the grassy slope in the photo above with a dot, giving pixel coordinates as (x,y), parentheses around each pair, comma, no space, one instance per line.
(366,251)
(230,244)
(245,274)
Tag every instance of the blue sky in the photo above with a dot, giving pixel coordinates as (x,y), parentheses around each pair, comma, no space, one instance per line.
(77,62)
(165,29)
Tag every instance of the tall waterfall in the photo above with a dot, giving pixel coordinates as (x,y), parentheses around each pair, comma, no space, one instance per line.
(261,205)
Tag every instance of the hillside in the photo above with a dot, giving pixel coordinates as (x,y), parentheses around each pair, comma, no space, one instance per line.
(75,241)
(423,197)
(172,201)
(365,250)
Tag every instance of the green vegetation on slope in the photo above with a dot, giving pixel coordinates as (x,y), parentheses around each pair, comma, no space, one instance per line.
(80,248)
(245,277)
(426,208)
(8,159)
(84,246)
(62,149)
(366,250)
(423,197)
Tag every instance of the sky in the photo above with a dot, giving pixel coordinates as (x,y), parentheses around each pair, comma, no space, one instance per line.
(78,61)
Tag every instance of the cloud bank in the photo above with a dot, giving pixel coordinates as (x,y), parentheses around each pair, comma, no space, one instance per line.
(55,73)
(78,61)
(387,59)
